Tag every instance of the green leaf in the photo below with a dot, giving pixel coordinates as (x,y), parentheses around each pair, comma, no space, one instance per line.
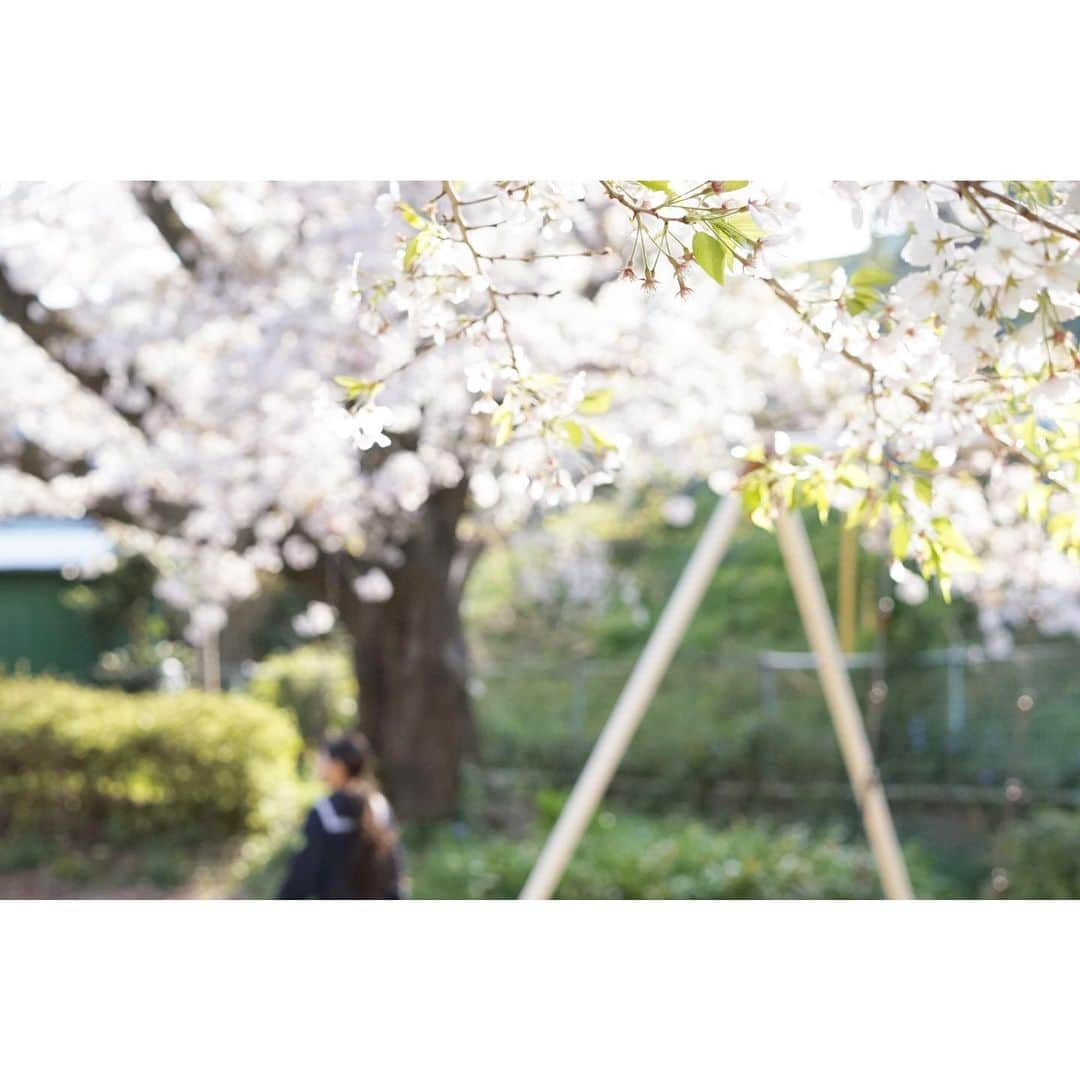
(815,492)
(572,430)
(900,538)
(417,246)
(355,388)
(595,402)
(924,488)
(864,288)
(658,185)
(1063,521)
(733,185)
(503,423)
(710,255)
(952,537)
(946,587)
(1035,192)
(411,216)
(1064,530)
(1028,432)
(853,476)
(856,512)
(740,228)
(871,276)
(754,492)
(860,300)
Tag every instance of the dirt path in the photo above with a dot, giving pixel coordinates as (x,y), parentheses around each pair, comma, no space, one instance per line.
(211,881)
(42,885)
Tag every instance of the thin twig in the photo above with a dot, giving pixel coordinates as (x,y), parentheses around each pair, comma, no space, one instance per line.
(979,188)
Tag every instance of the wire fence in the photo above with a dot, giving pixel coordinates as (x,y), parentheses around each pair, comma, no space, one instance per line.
(952,725)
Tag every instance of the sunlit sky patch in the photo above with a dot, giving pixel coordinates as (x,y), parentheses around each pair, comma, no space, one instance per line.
(824,226)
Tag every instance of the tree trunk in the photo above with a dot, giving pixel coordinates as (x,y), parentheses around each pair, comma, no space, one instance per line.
(412,666)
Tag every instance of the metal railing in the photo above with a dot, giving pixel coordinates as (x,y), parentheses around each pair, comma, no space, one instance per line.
(943,720)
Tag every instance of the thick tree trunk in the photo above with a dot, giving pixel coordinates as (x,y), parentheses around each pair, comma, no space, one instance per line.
(412,667)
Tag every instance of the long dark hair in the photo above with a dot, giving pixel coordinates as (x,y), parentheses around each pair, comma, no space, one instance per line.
(373,867)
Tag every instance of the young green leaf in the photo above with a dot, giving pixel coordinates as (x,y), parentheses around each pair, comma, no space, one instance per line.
(595,402)
(871,276)
(503,423)
(411,216)
(856,512)
(572,430)
(710,255)
(899,539)
(355,388)
(740,229)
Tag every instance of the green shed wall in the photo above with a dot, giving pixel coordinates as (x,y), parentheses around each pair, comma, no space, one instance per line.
(38,631)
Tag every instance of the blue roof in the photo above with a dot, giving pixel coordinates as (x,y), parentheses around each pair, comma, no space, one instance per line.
(34,543)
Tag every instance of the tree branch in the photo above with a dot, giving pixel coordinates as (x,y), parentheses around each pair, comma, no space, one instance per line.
(33,460)
(45,328)
(977,187)
(158,207)
(52,332)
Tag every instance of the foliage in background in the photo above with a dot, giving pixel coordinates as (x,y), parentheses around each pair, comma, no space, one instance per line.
(1039,857)
(100,765)
(706,723)
(625,856)
(748,605)
(545,683)
(123,597)
(316,684)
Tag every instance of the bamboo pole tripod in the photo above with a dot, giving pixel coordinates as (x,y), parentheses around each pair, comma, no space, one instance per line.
(652,665)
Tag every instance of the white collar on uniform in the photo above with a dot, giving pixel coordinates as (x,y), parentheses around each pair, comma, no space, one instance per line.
(331,820)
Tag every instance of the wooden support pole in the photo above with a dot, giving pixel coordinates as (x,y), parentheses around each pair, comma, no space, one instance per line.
(633,701)
(840,697)
(847,587)
(210,663)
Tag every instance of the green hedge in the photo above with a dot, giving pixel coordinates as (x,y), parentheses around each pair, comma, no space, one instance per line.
(1040,857)
(316,684)
(102,764)
(628,857)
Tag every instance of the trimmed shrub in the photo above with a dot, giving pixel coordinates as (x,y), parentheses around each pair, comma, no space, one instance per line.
(628,857)
(1040,856)
(316,684)
(102,764)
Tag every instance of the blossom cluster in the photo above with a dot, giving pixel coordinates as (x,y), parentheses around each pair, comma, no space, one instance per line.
(912,385)
(198,362)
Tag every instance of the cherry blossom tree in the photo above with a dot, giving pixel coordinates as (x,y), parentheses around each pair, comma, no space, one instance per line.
(194,364)
(169,362)
(168,357)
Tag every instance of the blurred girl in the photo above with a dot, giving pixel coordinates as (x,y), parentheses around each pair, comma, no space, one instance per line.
(350,850)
